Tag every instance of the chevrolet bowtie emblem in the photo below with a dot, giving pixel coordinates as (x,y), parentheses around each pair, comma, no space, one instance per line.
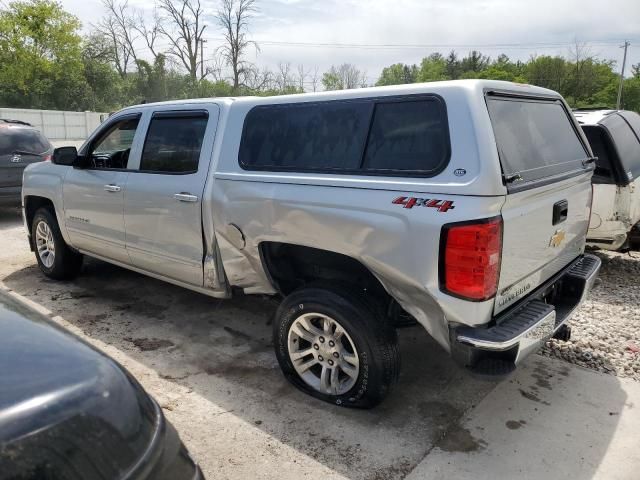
(557,238)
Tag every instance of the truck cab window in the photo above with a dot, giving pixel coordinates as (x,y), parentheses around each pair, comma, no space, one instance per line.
(111,149)
(173,144)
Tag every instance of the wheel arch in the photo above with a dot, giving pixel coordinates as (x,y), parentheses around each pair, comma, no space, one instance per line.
(32,203)
(289,266)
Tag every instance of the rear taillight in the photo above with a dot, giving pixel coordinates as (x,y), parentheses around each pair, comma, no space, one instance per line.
(470,258)
(46,158)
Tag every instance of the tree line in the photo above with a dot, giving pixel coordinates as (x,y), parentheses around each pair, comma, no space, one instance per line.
(128,58)
(583,79)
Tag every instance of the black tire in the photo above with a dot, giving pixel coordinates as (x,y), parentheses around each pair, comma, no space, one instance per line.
(374,338)
(66,262)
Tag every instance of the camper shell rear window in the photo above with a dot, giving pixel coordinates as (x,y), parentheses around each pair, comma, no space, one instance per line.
(536,139)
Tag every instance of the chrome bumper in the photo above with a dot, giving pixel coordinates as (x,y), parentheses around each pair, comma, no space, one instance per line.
(523,329)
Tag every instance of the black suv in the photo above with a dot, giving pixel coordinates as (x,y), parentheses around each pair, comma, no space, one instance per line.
(20,145)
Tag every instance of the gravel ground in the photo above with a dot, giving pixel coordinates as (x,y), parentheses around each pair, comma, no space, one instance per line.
(606,329)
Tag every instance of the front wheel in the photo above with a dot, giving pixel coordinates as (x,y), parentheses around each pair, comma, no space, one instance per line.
(336,347)
(55,258)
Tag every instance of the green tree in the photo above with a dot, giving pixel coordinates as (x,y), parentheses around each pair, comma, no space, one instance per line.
(433,68)
(105,86)
(398,74)
(631,94)
(502,68)
(41,57)
(549,72)
(474,63)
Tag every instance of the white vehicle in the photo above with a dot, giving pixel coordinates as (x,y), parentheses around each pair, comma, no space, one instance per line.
(464,205)
(614,136)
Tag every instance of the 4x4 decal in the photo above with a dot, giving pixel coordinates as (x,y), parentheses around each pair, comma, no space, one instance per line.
(410,202)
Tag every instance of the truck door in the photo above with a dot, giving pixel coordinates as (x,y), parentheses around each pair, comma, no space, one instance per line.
(163,199)
(93,193)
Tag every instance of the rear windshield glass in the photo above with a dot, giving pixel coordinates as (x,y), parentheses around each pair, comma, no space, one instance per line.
(626,144)
(535,139)
(22,139)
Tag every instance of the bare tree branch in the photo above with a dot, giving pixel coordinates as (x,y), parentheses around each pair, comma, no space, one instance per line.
(117,27)
(315,78)
(183,27)
(148,33)
(302,75)
(233,17)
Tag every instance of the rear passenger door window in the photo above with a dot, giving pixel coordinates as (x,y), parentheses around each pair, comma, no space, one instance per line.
(173,143)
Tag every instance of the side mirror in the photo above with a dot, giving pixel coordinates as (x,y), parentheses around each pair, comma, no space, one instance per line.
(65,156)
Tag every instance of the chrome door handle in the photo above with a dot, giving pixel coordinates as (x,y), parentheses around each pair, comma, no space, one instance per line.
(185,197)
(112,188)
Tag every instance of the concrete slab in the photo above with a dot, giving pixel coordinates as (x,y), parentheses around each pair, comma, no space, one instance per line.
(552,420)
(210,364)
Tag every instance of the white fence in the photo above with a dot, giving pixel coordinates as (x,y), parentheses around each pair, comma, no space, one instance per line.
(56,124)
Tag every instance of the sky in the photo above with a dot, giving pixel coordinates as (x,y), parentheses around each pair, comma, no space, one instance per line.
(375,33)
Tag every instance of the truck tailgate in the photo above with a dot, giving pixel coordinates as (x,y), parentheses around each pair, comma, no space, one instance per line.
(547,167)
(544,230)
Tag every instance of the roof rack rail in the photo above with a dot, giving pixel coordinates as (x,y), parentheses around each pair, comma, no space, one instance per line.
(17,122)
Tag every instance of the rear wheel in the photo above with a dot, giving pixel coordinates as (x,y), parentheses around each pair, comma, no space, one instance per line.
(336,347)
(54,257)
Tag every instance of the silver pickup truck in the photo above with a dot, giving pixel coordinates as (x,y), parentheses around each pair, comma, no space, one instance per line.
(460,205)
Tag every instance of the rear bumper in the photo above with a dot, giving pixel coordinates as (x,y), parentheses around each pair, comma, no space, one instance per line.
(520,331)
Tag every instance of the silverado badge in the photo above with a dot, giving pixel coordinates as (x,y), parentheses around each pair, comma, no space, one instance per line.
(557,238)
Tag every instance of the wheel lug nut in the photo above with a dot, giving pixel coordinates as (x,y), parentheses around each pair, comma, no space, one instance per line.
(321,339)
(336,354)
(320,358)
(331,343)
(331,362)
(315,345)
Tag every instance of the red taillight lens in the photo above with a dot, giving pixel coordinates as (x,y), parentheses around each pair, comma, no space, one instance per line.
(471,262)
(46,158)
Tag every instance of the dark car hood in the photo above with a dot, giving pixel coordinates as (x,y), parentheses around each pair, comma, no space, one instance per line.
(59,397)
